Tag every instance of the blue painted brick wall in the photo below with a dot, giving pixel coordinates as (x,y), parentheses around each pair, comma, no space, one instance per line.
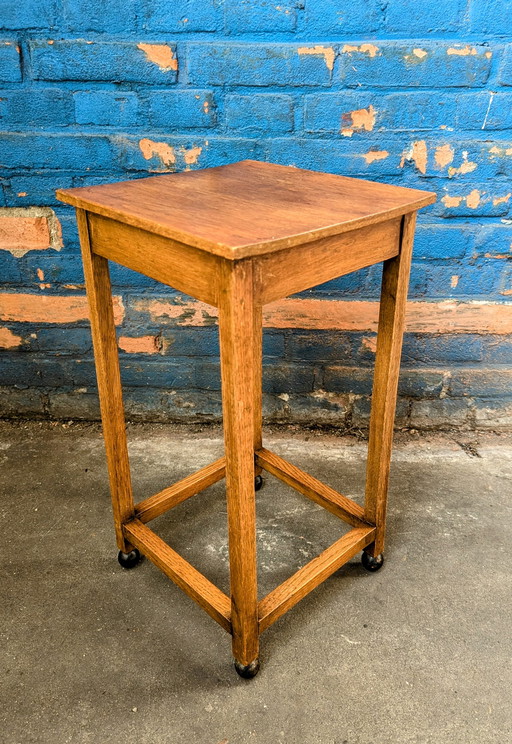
(97,91)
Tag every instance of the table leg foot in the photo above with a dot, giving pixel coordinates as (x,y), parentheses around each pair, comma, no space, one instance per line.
(248,671)
(128,560)
(371,563)
(258,483)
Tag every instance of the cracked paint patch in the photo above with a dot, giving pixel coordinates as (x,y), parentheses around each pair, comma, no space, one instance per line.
(160,54)
(370,49)
(417,152)
(501,200)
(373,155)
(361,120)
(190,156)
(8,339)
(473,199)
(326,52)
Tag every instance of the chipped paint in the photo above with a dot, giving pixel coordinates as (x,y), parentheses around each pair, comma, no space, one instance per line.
(190,156)
(40,274)
(8,339)
(161,150)
(462,51)
(327,53)
(139,344)
(454,281)
(373,155)
(161,55)
(361,120)
(473,199)
(447,316)
(452,201)
(370,49)
(417,152)
(444,155)
(467,166)
(501,200)
(35,308)
(206,106)
(369,343)
(420,53)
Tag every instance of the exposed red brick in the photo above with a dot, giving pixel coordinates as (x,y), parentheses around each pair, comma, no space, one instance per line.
(21,234)
(139,344)
(8,339)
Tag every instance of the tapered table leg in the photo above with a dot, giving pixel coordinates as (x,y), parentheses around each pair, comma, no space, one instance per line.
(237,345)
(109,381)
(395,282)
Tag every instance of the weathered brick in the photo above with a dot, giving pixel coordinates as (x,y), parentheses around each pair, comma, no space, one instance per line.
(17,403)
(489,110)
(144,62)
(181,15)
(81,404)
(106,108)
(404,16)
(10,62)
(361,408)
(482,382)
(260,64)
(333,17)
(432,414)
(319,346)
(421,349)
(36,188)
(473,200)
(433,242)
(65,151)
(287,378)
(385,64)
(490,16)
(9,268)
(112,16)
(36,108)
(183,109)
(259,16)
(462,281)
(493,414)
(505,74)
(28,14)
(264,112)
(19,233)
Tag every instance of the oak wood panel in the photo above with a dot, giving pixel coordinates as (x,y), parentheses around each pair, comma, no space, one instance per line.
(395,282)
(184,575)
(170,497)
(247,208)
(319,492)
(237,345)
(292,270)
(99,295)
(287,594)
(180,266)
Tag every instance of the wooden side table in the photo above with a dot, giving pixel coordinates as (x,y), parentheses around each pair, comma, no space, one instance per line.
(237,237)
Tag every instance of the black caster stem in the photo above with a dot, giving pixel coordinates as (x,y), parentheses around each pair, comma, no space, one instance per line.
(258,483)
(128,560)
(371,563)
(248,671)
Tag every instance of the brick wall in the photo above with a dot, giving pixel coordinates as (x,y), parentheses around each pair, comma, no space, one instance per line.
(397,91)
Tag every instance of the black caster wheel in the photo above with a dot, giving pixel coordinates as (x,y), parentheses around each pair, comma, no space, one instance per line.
(371,563)
(258,483)
(128,560)
(249,671)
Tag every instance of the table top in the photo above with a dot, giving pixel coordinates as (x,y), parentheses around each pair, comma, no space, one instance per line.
(247,208)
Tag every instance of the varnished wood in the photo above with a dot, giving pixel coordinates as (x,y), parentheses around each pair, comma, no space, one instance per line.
(99,296)
(395,282)
(248,208)
(287,594)
(188,578)
(319,492)
(180,266)
(292,270)
(170,497)
(236,329)
(237,237)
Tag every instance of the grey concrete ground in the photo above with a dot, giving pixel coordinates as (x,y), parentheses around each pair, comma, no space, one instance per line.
(92,654)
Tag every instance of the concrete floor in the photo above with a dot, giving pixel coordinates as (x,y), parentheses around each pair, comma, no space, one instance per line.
(92,654)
